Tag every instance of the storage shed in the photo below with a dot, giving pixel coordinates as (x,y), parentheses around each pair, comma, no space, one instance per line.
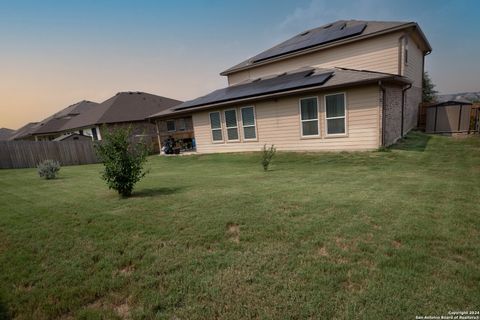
(448,117)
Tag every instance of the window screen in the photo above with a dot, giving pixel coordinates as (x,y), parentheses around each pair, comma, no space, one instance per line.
(309,116)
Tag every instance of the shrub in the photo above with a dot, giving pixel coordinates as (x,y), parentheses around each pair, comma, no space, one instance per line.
(48,169)
(122,158)
(267,156)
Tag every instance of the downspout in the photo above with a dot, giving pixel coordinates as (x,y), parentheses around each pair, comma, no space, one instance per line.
(403,107)
(384,95)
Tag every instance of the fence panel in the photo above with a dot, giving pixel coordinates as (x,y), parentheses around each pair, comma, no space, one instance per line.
(27,154)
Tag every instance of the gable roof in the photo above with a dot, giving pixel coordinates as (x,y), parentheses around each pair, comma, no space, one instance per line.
(300,80)
(5,133)
(330,34)
(122,107)
(24,131)
(57,121)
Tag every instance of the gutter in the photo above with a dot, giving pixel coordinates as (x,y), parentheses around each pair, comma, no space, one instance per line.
(403,107)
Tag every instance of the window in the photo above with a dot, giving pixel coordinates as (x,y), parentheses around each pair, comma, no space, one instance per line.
(231,124)
(216,126)
(181,124)
(170,125)
(94,134)
(335,113)
(248,123)
(406,52)
(309,116)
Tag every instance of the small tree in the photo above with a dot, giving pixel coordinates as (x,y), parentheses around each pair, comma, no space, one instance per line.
(123,159)
(429,94)
(267,156)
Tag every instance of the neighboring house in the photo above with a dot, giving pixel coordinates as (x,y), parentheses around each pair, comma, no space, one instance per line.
(5,133)
(88,118)
(127,109)
(347,85)
(54,126)
(25,132)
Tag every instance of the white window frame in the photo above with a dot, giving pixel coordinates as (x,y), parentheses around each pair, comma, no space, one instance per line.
(227,127)
(309,120)
(331,118)
(221,127)
(174,126)
(249,126)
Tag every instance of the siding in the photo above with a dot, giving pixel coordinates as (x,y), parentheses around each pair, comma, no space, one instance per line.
(375,54)
(414,68)
(278,123)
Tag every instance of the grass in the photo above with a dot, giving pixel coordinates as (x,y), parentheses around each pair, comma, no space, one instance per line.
(374,235)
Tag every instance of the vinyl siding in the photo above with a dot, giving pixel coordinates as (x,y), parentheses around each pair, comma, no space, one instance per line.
(375,54)
(278,123)
(414,67)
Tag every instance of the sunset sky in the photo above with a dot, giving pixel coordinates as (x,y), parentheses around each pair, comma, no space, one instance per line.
(55,53)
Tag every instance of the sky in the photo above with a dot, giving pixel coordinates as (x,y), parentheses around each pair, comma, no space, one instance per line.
(56,53)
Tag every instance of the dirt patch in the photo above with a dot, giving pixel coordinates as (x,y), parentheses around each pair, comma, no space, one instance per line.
(123,310)
(127,270)
(233,232)
(396,244)
(322,252)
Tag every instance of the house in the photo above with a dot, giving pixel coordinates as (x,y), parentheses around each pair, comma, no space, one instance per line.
(5,133)
(54,126)
(347,85)
(25,132)
(87,118)
(125,109)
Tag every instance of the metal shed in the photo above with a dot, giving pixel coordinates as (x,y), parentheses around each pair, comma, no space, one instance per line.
(448,117)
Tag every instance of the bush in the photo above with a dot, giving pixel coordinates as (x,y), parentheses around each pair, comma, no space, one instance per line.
(48,169)
(123,159)
(267,156)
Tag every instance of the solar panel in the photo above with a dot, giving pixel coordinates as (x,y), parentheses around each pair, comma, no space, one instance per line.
(281,83)
(312,38)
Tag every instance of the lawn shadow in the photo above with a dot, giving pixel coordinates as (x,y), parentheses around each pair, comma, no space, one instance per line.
(153,192)
(414,141)
(4,315)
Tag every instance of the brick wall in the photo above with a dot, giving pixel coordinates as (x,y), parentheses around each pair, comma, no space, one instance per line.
(413,97)
(393,114)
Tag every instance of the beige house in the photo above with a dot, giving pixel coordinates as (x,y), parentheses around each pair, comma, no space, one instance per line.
(348,85)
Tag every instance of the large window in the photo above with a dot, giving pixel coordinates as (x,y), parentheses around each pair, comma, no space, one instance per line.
(335,113)
(309,116)
(216,126)
(170,125)
(231,124)
(248,123)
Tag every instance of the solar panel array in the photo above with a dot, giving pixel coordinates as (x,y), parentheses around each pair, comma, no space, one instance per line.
(312,38)
(280,83)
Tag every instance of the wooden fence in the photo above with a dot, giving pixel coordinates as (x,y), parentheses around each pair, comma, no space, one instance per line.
(27,154)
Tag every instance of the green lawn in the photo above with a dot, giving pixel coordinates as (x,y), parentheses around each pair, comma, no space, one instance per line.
(374,235)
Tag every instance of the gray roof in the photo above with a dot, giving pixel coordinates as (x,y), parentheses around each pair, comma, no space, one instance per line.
(57,121)
(300,80)
(329,34)
(123,107)
(24,131)
(5,133)
(265,85)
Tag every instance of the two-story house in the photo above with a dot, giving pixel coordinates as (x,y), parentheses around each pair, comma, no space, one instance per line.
(347,85)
